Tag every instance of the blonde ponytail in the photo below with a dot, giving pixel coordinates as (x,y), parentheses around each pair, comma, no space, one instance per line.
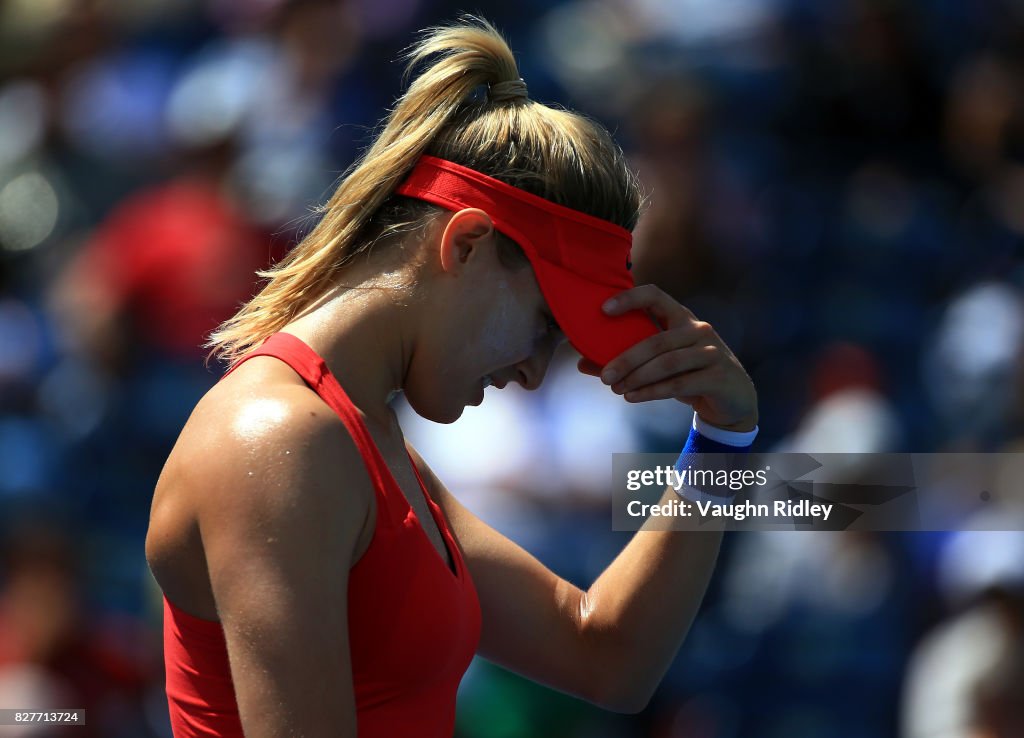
(553,153)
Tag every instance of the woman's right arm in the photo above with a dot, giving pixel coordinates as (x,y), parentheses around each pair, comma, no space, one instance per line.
(279,526)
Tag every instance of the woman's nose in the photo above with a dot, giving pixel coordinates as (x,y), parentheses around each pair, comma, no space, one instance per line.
(530,372)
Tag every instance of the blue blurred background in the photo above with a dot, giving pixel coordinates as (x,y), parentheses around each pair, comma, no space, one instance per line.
(837,186)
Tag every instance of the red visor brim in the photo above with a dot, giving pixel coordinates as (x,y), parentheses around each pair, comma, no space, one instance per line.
(576,304)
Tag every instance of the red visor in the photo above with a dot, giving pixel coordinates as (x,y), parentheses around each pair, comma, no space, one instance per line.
(579,260)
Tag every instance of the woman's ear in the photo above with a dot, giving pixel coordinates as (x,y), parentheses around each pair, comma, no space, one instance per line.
(463,237)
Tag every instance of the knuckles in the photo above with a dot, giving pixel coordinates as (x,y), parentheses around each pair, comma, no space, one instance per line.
(712,351)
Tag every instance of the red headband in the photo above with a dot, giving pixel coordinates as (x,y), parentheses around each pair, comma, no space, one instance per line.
(579,260)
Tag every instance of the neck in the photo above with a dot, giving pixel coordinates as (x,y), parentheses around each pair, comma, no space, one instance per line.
(364,332)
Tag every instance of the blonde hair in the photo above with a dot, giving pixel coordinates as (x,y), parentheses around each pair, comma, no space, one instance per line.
(551,152)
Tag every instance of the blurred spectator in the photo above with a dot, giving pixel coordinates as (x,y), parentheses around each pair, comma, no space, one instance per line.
(161,272)
(850,414)
(54,653)
(998,705)
(970,369)
(964,678)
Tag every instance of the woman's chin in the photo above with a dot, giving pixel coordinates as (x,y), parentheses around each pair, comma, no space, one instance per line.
(444,414)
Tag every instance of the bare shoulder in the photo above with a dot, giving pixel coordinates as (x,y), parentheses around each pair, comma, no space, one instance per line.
(262,441)
(260,450)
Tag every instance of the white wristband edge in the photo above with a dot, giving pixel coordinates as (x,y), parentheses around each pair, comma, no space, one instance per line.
(720,435)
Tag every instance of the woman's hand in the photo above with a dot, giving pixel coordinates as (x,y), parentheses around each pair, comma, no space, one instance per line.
(687,360)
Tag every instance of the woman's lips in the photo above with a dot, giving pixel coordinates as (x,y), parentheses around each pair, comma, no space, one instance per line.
(489,381)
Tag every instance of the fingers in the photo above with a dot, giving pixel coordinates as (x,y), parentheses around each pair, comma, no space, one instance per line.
(661,306)
(687,361)
(685,387)
(666,365)
(694,332)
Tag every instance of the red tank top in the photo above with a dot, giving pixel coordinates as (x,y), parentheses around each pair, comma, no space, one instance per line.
(413,623)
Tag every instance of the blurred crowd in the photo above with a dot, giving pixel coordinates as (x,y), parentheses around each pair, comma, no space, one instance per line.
(836,185)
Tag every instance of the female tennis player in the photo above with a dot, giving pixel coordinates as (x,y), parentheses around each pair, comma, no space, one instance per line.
(318,578)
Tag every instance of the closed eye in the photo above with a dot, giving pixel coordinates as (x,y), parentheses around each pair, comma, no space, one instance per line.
(552,324)
(553,329)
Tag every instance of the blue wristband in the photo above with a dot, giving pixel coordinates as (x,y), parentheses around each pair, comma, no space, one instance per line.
(697,443)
